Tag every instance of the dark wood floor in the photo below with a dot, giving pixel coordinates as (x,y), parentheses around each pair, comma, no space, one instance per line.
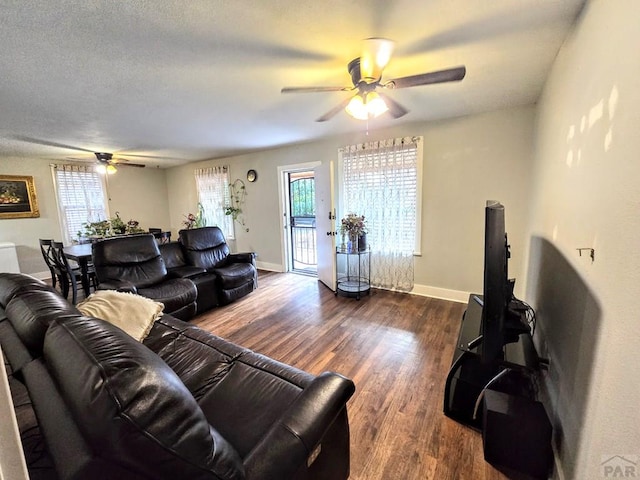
(396,347)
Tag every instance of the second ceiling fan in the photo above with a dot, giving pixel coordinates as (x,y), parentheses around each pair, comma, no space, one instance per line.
(106,161)
(107,164)
(366,76)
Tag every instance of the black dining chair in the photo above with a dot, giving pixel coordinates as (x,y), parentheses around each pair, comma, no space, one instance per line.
(69,275)
(45,248)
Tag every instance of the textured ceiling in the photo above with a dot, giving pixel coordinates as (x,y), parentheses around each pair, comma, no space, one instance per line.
(185,81)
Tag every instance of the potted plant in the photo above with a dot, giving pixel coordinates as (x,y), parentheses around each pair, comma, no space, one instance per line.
(117,225)
(195,221)
(354,226)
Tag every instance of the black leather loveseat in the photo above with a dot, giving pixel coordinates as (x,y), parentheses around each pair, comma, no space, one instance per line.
(181,404)
(203,256)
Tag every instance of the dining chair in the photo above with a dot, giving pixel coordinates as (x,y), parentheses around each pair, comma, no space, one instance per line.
(70,275)
(45,248)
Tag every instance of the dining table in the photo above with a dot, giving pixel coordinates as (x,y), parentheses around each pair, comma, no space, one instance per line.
(81,254)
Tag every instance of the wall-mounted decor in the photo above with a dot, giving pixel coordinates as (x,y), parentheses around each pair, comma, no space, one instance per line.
(18,197)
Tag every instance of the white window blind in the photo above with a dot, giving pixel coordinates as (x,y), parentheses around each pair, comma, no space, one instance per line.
(80,193)
(212,184)
(382,181)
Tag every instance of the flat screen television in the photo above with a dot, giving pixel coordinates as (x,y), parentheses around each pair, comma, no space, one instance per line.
(498,289)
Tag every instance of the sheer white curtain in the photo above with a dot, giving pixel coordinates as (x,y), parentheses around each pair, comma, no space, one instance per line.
(81,197)
(381,180)
(213,194)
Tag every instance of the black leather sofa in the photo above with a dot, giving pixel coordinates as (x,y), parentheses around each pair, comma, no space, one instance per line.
(182,404)
(203,256)
(133,263)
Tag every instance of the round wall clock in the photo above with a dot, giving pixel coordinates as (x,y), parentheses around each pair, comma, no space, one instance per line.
(252,175)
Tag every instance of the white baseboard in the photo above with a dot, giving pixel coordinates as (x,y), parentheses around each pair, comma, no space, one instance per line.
(441,293)
(270,267)
(422,290)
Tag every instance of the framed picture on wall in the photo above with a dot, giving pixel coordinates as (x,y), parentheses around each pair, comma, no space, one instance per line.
(18,197)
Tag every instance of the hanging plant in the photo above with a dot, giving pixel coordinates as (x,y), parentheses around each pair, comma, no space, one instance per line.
(237,193)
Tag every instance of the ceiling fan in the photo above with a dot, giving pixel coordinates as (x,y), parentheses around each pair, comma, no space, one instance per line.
(366,76)
(107,164)
(106,161)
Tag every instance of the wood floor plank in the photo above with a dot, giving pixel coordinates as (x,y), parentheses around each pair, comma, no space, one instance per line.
(396,347)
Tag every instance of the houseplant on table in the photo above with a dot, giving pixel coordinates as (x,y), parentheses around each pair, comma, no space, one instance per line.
(355,228)
(109,228)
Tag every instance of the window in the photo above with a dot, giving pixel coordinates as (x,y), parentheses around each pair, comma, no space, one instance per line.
(80,193)
(213,194)
(382,181)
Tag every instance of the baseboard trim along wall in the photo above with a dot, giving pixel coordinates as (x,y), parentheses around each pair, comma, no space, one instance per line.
(422,290)
(270,267)
(441,293)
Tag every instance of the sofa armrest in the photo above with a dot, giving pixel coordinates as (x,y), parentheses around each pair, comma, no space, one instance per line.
(295,439)
(243,257)
(119,285)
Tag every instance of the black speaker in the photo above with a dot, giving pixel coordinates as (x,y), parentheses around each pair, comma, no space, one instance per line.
(516,434)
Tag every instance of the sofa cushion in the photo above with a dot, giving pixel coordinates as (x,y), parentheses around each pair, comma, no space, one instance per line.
(36,455)
(205,247)
(174,293)
(172,254)
(227,380)
(135,258)
(12,284)
(199,358)
(131,407)
(132,313)
(30,313)
(187,271)
(234,275)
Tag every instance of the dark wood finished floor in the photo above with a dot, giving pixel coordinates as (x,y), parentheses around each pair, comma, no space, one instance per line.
(396,347)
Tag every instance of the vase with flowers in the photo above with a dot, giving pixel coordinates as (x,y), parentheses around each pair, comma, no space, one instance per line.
(354,227)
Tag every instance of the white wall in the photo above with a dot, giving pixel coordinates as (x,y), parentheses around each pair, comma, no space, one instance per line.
(586,195)
(138,193)
(467,161)
(25,232)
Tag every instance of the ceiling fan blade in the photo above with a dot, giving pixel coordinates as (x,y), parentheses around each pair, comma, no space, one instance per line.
(441,76)
(395,109)
(126,163)
(142,156)
(49,143)
(376,53)
(314,89)
(334,111)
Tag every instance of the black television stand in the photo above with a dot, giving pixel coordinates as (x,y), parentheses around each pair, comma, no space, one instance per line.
(469,377)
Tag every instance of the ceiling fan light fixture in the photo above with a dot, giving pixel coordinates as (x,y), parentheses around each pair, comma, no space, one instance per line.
(376,53)
(366,106)
(356,108)
(106,169)
(375,104)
